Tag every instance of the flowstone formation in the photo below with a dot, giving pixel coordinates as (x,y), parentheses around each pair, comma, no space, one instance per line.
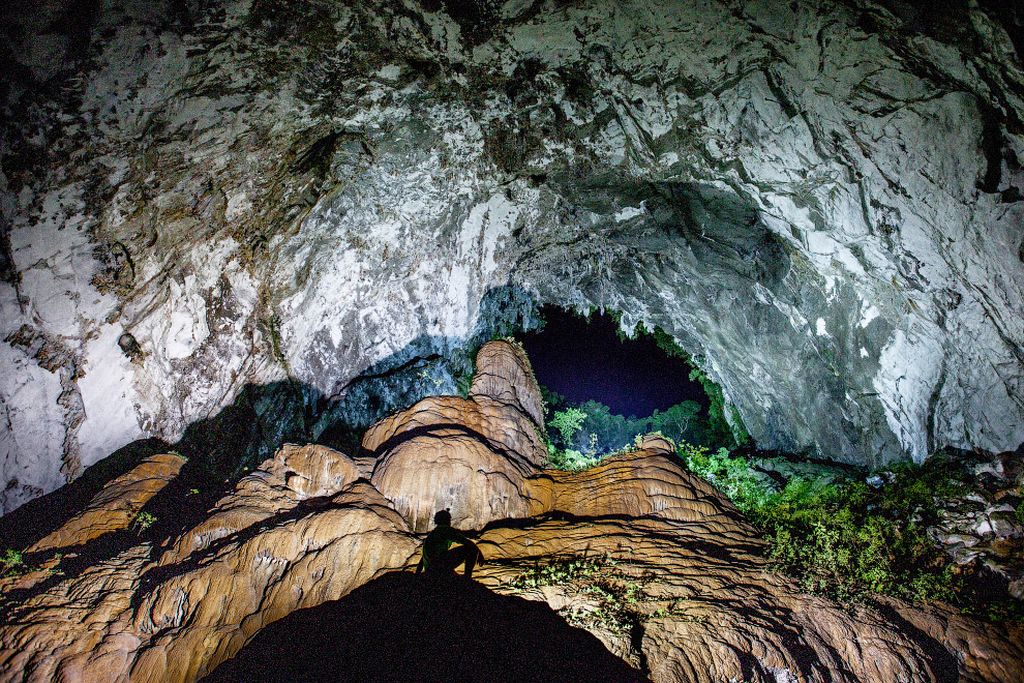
(314,208)
(686,592)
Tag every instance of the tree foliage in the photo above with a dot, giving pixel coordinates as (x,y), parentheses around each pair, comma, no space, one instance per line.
(581,434)
(568,422)
(602,431)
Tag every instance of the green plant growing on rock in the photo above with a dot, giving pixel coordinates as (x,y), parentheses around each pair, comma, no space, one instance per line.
(733,476)
(619,598)
(845,539)
(557,572)
(570,460)
(142,522)
(12,563)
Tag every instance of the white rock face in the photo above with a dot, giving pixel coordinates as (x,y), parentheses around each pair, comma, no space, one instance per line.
(822,200)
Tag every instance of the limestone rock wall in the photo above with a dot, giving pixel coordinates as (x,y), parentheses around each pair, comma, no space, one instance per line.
(822,200)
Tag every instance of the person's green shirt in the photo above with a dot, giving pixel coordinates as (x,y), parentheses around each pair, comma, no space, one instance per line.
(438,542)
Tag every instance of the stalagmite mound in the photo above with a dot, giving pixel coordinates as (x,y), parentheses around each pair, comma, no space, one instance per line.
(676,585)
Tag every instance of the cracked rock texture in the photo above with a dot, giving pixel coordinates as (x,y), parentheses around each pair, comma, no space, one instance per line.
(330,203)
(302,530)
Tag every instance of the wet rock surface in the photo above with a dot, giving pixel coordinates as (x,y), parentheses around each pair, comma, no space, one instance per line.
(686,593)
(821,200)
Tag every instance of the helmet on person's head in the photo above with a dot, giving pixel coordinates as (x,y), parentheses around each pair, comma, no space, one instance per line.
(443,517)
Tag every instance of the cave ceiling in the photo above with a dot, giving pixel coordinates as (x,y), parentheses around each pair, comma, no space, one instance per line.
(820,201)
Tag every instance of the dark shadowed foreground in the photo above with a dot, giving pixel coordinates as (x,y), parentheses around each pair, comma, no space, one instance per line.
(404,627)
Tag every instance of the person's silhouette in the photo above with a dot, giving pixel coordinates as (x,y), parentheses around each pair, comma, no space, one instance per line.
(439,557)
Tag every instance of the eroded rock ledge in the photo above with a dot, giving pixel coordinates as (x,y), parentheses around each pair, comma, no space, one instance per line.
(311,525)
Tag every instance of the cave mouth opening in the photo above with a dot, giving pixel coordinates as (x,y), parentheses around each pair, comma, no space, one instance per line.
(603,388)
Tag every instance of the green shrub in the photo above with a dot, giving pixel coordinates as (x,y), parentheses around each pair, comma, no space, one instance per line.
(12,563)
(570,459)
(844,539)
(732,476)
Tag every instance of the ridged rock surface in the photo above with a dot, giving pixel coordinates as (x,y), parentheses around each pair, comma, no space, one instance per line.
(472,456)
(116,506)
(328,203)
(279,485)
(299,532)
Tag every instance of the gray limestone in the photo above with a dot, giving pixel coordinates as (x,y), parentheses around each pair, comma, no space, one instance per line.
(822,201)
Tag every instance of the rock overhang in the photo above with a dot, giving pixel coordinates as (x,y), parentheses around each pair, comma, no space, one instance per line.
(363,213)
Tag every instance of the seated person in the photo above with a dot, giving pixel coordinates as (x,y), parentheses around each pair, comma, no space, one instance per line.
(438,555)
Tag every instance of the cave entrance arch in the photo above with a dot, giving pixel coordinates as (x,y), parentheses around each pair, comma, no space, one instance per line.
(604,387)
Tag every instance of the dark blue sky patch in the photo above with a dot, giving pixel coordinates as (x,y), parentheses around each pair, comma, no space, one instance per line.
(584,360)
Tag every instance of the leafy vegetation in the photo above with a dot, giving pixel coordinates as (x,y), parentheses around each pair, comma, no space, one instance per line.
(826,526)
(748,489)
(570,460)
(12,563)
(581,434)
(143,521)
(616,597)
(568,423)
(559,571)
(845,539)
